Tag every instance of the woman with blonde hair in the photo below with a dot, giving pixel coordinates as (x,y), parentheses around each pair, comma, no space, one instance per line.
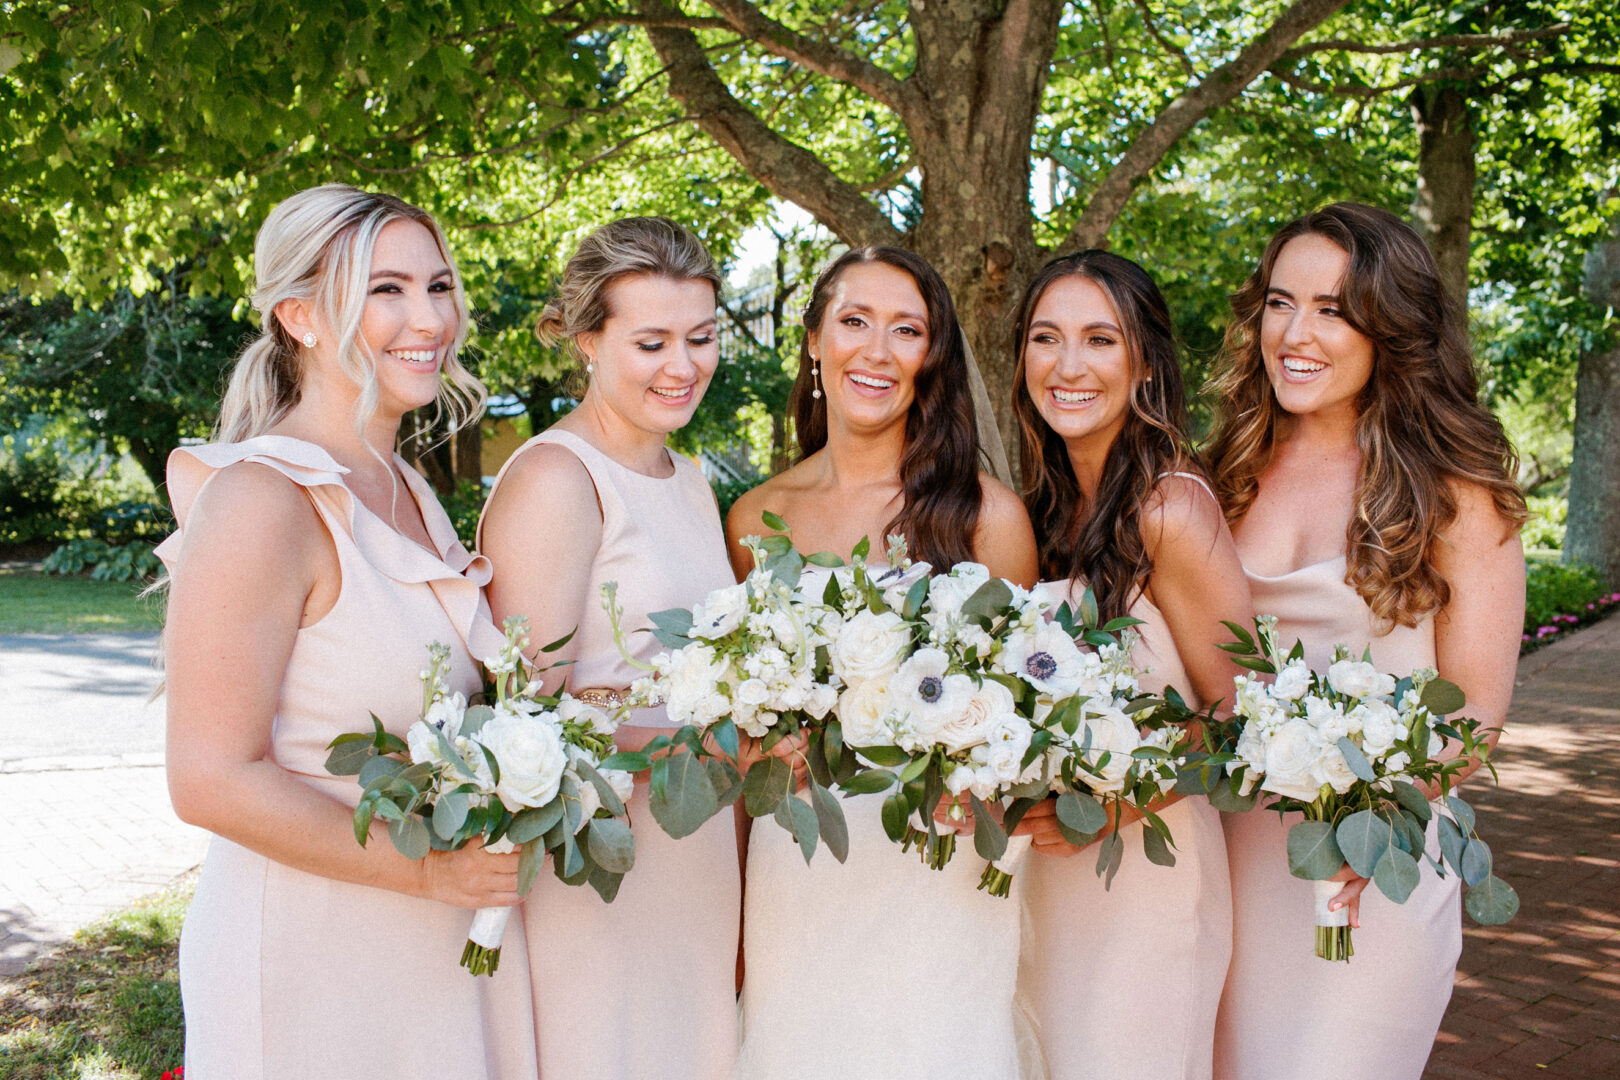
(1122,507)
(1372,501)
(311,570)
(644,986)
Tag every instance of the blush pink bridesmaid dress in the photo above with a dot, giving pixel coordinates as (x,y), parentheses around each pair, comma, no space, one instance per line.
(1286,1014)
(288,974)
(644,986)
(1123,982)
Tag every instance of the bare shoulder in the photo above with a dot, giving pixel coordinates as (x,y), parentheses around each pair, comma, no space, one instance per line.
(254,506)
(547,474)
(1180,510)
(999,505)
(1478,520)
(779,495)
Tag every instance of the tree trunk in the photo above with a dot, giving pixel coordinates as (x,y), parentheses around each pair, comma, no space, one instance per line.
(467,453)
(1443,209)
(153,460)
(1593,532)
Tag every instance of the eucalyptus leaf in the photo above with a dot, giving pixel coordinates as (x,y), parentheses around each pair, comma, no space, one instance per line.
(611,845)
(605,883)
(832,744)
(727,781)
(410,837)
(773,521)
(725,737)
(1396,874)
(1412,799)
(1313,853)
(1088,609)
(825,559)
(531,858)
(830,820)
(1353,757)
(869,781)
(1363,837)
(1081,813)
(449,813)
(1491,902)
(628,760)
(1452,842)
(348,758)
(1442,697)
(474,719)
(604,790)
(534,822)
(1109,857)
(1223,796)
(1462,812)
(570,861)
(379,770)
(988,600)
(688,799)
(768,782)
(1157,851)
(362,820)
(989,838)
(1476,862)
(801,822)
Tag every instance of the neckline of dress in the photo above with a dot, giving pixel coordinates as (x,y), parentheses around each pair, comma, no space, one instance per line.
(669,455)
(1290,573)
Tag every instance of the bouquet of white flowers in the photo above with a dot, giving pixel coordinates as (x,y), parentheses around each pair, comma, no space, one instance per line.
(754,659)
(959,686)
(1356,751)
(525,770)
(1112,743)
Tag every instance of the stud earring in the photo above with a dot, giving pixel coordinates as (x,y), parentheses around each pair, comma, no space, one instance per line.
(310,339)
(815,377)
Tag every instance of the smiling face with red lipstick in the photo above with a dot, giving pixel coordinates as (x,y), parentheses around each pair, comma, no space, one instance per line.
(1317,362)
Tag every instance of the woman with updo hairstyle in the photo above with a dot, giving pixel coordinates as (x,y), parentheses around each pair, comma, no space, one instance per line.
(880,966)
(1372,501)
(310,571)
(645,986)
(1123,981)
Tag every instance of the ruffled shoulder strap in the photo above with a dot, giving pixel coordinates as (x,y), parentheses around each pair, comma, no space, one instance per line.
(455,575)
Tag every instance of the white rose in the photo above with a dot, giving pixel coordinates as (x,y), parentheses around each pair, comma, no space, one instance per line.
(1378,726)
(870,646)
(753,692)
(1109,730)
(863,711)
(1328,718)
(985,782)
(1292,681)
(1008,740)
(948,592)
(1355,678)
(721,612)
(423,741)
(959,780)
(1396,763)
(1290,755)
(690,678)
(989,704)
(1332,769)
(821,700)
(531,759)
(623,783)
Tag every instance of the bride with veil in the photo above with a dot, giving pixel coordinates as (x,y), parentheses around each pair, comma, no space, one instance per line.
(880,967)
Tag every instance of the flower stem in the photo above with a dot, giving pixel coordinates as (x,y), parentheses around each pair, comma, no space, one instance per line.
(480,961)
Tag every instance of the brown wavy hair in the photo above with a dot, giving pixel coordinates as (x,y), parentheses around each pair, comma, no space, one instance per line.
(1420,424)
(939,470)
(1106,548)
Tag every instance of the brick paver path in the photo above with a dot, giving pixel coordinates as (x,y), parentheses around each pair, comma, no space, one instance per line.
(1540,996)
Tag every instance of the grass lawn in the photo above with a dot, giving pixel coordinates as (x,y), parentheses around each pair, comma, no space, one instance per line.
(106,1007)
(34,603)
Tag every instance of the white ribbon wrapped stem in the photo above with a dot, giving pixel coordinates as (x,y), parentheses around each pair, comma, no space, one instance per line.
(489,927)
(1326,891)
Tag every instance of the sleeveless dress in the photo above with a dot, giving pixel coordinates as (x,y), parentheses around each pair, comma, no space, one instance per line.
(1123,983)
(644,986)
(1286,1014)
(286,973)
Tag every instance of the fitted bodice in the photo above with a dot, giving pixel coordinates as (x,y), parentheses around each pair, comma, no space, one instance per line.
(1318,607)
(661,542)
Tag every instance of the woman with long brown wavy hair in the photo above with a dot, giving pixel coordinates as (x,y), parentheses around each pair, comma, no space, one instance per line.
(837,952)
(1372,500)
(1120,504)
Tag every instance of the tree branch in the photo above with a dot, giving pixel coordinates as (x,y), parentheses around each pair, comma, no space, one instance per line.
(787,170)
(822,57)
(1153,30)
(1223,84)
(1450,41)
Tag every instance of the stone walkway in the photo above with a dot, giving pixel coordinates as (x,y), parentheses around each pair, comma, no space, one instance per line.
(1541,996)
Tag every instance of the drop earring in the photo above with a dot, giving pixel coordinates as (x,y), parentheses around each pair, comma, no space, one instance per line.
(590,366)
(815,376)
(310,339)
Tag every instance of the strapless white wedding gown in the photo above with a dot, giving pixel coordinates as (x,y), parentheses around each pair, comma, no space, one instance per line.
(877,968)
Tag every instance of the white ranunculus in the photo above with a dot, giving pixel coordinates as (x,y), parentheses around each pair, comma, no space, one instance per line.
(870,646)
(989,704)
(572,710)
(1378,726)
(1397,762)
(1292,681)
(959,780)
(531,759)
(863,711)
(948,592)
(1357,679)
(1008,740)
(689,682)
(1290,755)
(1328,718)
(721,612)
(623,783)
(985,782)
(1110,731)
(423,742)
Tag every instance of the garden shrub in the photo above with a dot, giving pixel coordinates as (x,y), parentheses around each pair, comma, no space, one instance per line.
(1554,589)
(32,503)
(1545,527)
(134,561)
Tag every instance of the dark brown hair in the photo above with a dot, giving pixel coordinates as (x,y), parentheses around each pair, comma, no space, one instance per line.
(1106,549)
(1420,423)
(939,470)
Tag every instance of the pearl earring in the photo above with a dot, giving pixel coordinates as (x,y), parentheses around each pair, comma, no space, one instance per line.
(309,339)
(815,376)
(590,367)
